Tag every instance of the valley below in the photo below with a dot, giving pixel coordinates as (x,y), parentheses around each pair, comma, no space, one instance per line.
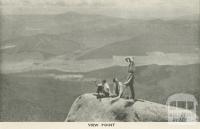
(47,95)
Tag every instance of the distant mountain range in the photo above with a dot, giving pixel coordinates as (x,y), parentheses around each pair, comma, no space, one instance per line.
(42,46)
(165,36)
(94,36)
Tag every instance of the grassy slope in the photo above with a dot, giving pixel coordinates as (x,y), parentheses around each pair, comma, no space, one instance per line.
(38,99)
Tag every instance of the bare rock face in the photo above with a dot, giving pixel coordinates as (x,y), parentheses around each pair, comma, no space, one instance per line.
(87,108)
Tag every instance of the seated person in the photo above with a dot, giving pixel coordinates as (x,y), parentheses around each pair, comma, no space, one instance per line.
(99,89)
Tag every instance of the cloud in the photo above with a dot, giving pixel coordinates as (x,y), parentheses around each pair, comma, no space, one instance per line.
(125,3)
(140,8)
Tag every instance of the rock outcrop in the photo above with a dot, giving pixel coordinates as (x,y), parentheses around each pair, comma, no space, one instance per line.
(87,108)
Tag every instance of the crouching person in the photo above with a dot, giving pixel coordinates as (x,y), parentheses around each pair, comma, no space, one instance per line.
(118,87)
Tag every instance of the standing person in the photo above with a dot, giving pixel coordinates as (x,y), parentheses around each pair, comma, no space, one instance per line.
(131,78)
(106,88)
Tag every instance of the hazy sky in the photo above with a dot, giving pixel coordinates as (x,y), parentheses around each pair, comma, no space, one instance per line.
(121,8)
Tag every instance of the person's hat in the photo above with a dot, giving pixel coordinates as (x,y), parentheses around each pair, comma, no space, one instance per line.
(129,59)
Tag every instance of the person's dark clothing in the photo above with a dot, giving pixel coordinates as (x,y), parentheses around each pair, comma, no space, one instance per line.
(106,94)
(100,89)
(117,88)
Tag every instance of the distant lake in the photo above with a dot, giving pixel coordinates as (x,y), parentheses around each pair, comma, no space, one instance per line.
(158,58)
